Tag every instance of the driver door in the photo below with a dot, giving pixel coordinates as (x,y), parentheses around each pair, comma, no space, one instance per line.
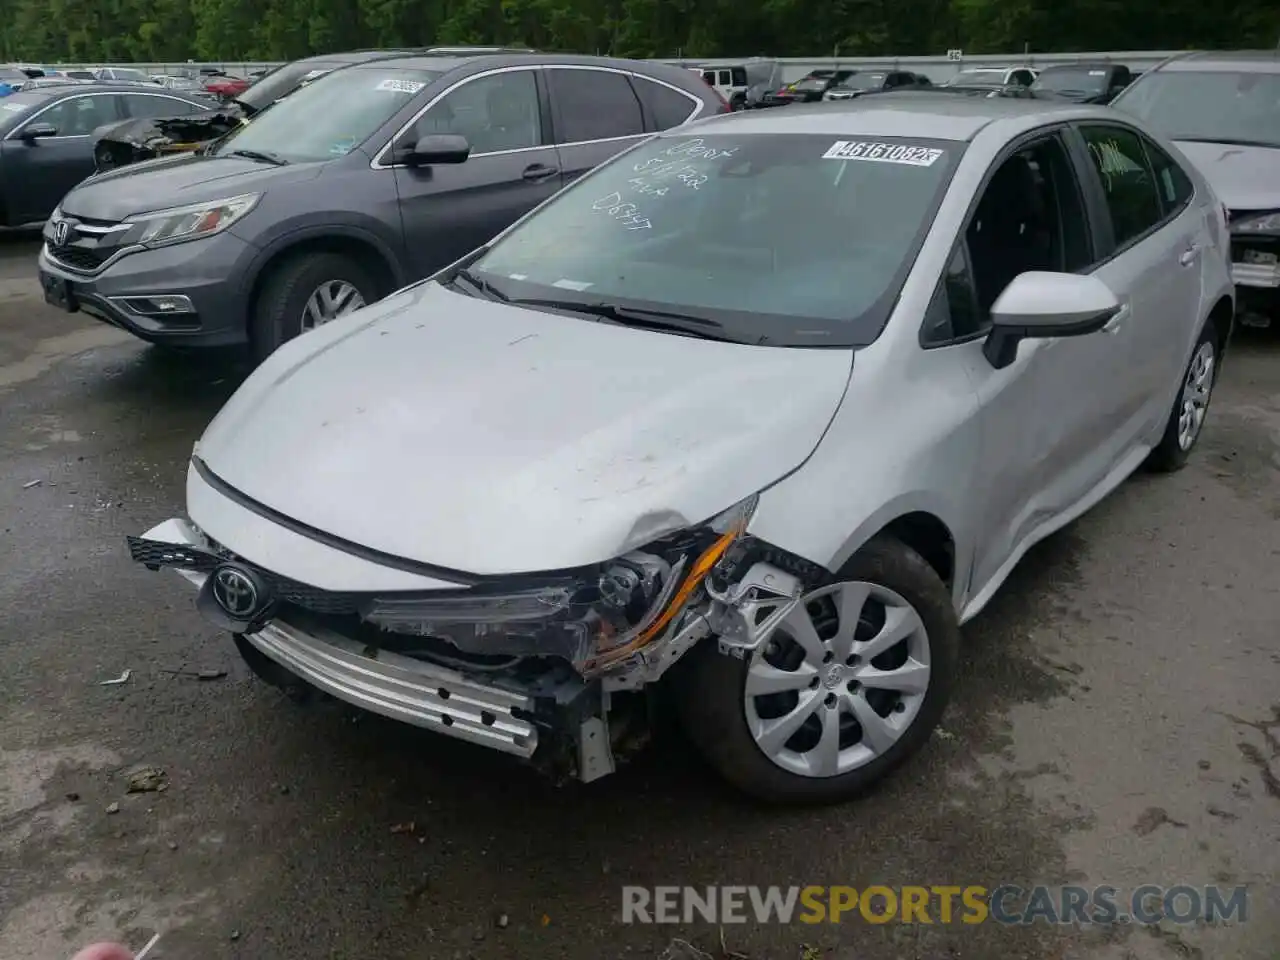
(448,210)
(48,167)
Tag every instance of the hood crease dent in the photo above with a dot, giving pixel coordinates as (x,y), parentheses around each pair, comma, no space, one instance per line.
(490,439)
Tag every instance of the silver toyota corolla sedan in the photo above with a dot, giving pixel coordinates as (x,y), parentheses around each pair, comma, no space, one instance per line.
(749,421)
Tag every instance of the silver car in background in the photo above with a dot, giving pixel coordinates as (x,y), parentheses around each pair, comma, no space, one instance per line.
(755,415)
(1222,110)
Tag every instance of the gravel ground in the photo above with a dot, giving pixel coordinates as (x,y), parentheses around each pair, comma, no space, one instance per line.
(1117,722)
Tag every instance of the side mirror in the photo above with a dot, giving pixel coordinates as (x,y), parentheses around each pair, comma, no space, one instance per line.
(1039,305)
(37,131)
(435,148)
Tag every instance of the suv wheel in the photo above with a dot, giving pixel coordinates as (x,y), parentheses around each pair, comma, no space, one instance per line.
(849,686)
(305,292)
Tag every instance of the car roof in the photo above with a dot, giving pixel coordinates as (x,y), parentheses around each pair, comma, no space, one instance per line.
(444,63)
(361,56)
(1247,61)
(918,113)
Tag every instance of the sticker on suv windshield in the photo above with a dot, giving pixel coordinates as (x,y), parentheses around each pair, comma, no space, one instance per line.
(876,152)
(400,86)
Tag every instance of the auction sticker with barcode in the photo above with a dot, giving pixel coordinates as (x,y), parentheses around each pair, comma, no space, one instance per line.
(401,86)
(877,152)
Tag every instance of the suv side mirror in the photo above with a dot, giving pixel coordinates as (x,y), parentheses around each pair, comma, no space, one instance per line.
(1039,305)
(435,148)
(37,131)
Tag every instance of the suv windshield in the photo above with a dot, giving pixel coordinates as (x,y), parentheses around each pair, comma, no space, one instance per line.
(1071,80)
(1235,107)
(284,81)
(329,117)
(794,240)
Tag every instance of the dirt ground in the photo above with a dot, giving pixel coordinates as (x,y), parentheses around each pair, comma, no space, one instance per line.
(1117,722)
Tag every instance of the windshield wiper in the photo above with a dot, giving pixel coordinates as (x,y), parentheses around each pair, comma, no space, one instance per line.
(479,286)
(257,155)
(689,324)
(1230,142)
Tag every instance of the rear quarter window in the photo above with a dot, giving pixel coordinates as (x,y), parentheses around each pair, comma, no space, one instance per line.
(668,107)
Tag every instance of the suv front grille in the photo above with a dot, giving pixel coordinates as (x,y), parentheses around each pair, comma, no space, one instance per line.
(81,259)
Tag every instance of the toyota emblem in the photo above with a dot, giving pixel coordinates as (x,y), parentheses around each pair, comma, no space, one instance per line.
(237,592)
(61,230)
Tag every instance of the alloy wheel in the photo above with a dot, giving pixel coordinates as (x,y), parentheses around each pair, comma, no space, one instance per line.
(839,682)
(330,300)
(1195,395)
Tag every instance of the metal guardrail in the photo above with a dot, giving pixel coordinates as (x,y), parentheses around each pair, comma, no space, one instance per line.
(936,68)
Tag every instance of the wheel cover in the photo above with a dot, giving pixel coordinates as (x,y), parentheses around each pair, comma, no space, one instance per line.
(330,300)
(839,682)
(1193,403)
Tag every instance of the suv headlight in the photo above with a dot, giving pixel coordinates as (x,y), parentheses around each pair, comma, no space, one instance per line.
(178,224)
(592,618)
(1262,223)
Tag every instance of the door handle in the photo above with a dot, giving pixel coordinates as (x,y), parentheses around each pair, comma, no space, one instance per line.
(539,171)
(1113,325)
(1188,256)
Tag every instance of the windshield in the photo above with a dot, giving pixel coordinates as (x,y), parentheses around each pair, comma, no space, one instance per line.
(1218,107)
(329,117)
(17,104)
(977,78)
(861,81)
(284,81)
(133,76)
(1081,80)
(794,240)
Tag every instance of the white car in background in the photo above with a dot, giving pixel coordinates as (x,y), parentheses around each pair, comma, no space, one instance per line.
(993,77)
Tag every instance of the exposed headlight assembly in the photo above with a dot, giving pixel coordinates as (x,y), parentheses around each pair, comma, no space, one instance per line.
(1263,223)
(178,224)
(593,619)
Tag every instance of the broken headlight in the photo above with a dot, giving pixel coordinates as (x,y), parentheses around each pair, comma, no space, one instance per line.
(592,618)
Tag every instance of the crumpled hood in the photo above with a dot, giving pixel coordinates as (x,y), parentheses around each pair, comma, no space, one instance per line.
(1244,178)
(491,439)
(175,182)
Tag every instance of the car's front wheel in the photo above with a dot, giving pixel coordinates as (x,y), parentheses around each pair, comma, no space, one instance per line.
(1190,407)
(849,686)
(305,292)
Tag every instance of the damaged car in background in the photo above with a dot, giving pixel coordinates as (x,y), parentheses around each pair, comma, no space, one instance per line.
(748,421)
(145,138)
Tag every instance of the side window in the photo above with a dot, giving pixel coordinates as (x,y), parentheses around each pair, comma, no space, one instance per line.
(954,314)
(668,107)
(739,76)
(1023,78)
(1172,182)
(1127,181)
(594,105)
(80,116)
(497,112)
(726,78)
(709,76)
(141,105)
(1030,217)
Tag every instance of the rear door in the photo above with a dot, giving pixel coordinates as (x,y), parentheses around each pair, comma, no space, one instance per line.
(448,210)
(595,114)
(47,168)
(1152,263)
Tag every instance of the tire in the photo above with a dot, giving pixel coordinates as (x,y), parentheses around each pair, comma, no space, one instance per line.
(718,715)
(277,314)
(1174,448)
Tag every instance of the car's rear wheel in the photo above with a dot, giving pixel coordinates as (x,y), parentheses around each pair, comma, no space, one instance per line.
(305,292)
(849,686)
(1190,407)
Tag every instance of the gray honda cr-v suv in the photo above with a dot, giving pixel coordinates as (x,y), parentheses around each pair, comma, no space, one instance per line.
(368,178)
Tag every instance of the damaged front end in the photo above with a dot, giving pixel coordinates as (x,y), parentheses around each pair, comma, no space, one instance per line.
(552,668)
(132,141)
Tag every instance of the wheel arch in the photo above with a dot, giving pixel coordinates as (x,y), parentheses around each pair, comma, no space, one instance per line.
(929,536)
(1223,319)
(366,248)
